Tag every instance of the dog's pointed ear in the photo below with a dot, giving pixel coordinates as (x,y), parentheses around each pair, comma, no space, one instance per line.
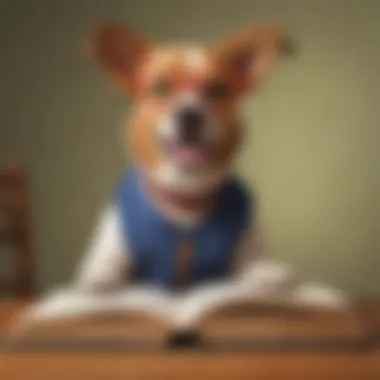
(247,57)
(120,51)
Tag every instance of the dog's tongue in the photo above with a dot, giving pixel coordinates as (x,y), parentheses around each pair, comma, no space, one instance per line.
(188,155)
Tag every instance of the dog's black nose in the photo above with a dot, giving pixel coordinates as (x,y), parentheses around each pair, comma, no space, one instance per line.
(190,124)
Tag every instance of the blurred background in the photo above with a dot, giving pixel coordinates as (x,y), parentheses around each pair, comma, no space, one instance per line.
(312,153)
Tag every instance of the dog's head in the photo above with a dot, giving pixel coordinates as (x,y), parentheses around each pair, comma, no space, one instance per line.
(184,122)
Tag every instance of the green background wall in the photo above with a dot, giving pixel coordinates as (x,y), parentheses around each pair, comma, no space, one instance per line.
(312,152)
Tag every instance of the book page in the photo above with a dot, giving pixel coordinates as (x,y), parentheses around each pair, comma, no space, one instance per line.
(69,303)
(201,301)
(196,303)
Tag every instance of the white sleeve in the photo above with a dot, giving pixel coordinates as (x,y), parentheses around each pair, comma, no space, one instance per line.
(106,259)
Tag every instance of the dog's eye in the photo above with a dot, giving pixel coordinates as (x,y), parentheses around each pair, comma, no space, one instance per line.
(216,90)
(161,88)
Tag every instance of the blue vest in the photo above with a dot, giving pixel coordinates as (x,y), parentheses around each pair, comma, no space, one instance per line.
(153,240)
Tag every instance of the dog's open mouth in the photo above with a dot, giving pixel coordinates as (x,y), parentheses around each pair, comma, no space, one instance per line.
(187,156)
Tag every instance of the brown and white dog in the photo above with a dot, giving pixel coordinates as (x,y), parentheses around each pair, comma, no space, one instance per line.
(183,130)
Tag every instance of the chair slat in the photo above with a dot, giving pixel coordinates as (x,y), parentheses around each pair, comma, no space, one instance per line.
(15,230)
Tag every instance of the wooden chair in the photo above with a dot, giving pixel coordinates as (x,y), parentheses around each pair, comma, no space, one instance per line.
(15,231)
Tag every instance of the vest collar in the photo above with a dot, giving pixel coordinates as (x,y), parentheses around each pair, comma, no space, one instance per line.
(194,203)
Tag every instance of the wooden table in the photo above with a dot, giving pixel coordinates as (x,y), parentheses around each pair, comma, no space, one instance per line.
(183,365)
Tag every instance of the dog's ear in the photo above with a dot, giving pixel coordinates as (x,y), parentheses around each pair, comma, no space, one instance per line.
(120,50)
(248,57)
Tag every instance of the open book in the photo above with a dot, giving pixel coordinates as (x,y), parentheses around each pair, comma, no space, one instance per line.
(217,311)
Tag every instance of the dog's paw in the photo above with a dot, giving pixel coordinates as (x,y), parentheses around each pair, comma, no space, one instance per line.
(269,276)
(321,296)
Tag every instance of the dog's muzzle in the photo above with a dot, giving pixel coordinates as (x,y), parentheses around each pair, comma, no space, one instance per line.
(185,134)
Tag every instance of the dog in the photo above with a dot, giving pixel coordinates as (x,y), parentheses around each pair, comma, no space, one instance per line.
(180,216)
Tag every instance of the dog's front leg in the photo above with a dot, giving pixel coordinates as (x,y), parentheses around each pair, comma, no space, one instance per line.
(105,264)
(255,271)
(270,277)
